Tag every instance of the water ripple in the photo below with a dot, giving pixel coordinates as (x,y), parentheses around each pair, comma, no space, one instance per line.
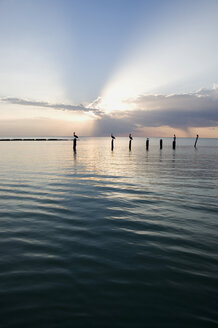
(102,239)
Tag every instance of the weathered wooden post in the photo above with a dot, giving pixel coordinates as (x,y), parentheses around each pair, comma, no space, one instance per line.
(147,144)
(130,141)
(112,141)
(196,140)
(161,143)
(75,137)
(74,144)
(174,142)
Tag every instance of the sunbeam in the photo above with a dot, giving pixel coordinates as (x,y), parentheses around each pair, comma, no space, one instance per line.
(179,58)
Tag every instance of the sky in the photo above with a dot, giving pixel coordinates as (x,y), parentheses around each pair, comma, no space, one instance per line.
(146,67)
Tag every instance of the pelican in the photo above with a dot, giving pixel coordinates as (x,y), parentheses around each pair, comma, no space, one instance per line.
(130,137)
(112,136)
(75,136)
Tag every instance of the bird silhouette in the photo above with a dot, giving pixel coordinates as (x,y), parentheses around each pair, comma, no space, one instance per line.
(75,136)
(130,137)
(112,136)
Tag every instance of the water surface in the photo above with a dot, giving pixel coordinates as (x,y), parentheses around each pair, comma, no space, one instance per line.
(108,239)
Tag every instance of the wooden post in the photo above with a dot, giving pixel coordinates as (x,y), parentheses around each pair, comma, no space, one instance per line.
(196,140)
(130,141)
(112,141)
(161,143)
(174,142)
(74,144)
(130,144)
(147,144)
(112,144)
(74,141)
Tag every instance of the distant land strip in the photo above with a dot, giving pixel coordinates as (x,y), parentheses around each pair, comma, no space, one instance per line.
(34,139)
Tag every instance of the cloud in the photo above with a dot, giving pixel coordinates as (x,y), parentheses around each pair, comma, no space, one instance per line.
(181,111)
(201,99)
(106,125)
(177,111)
(25,102)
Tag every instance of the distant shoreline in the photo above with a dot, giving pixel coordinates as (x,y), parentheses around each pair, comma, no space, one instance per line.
(35,139)
(71,138)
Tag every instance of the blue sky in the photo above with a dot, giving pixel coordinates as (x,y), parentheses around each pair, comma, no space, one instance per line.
(86,64)
(80,42)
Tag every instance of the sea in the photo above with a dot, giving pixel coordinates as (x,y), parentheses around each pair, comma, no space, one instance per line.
(100,238)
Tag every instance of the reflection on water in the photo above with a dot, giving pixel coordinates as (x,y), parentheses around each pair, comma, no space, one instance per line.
(96,238)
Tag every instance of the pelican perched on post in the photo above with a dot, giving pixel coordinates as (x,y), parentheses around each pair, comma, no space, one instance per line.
(75,136)
(112,136)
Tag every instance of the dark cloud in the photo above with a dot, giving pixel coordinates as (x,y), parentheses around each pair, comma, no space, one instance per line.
(106,125)
(199,109)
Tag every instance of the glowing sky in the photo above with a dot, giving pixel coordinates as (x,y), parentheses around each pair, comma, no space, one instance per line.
(102,66)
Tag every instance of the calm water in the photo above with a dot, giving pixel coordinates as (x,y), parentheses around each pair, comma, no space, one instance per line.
(102,239)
